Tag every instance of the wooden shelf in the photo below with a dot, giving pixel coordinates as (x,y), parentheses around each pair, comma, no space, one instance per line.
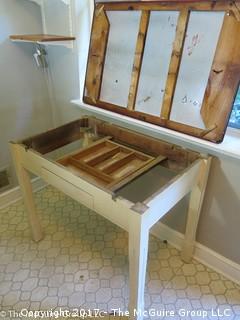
(41,38)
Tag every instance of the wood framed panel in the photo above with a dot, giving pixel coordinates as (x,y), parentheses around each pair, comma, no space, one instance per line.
(214,127)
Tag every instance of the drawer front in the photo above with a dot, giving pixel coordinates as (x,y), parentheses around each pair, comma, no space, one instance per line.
(68,188)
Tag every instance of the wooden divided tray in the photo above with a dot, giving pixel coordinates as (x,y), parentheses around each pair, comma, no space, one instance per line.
(110,164)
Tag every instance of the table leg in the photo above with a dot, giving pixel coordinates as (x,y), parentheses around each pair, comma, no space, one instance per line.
(195,206)
(27,193)
(138,253)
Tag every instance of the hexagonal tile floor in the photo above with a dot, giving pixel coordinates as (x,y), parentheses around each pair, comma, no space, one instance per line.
(82,262)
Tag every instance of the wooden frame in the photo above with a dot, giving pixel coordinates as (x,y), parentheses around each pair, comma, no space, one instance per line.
(224,76)
(190,175)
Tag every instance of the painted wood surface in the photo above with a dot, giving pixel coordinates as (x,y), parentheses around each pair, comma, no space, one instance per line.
(138,253)
(118,210)
(195,206)
(27,193)
(163,200)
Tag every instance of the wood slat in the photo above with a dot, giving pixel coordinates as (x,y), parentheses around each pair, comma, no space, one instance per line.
(192,131)
(141,39)
(98,45)
(139,172)
(175,63)
(119,163)
(223,80)
(208,5)
(141,155)
(100,158)
(40,37)
(94,172)
(93,147)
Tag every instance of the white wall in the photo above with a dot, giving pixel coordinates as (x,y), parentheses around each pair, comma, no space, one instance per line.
(67,71)
(63,67)
(220,219)
(24,102)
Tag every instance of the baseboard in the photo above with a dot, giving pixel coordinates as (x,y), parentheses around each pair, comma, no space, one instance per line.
(13,195)
(219,263)
(206,256)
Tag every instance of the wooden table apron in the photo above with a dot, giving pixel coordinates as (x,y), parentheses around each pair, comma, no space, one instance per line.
(135,219)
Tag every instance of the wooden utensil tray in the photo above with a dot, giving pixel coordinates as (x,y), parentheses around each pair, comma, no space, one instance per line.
(108,163)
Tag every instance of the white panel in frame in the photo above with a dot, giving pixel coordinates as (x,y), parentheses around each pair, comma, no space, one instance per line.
(156,59)
(119,56)
(198,53)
